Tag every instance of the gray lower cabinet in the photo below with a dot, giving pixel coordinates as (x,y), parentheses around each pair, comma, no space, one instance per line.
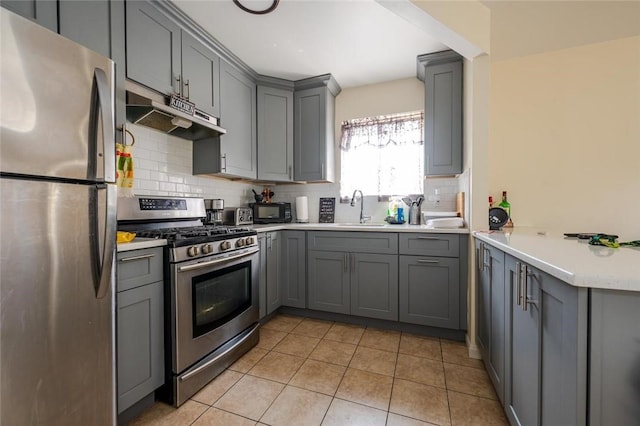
(274,271)
(429,291)
(329,282)
(429,276)
(275,134)
(442,75)
(614,366)
(294,269)
(42,12)
(314,114)
(353,273)
(491,316)
(140,325)
(262,288)
(546,341)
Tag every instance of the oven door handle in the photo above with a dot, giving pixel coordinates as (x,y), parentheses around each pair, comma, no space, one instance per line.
(217,261)
(211,361)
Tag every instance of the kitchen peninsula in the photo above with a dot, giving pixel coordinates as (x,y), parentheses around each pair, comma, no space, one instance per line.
(558,327)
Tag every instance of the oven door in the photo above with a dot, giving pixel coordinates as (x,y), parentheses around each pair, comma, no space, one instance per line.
(213,301)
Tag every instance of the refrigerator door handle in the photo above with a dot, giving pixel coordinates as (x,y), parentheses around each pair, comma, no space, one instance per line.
(106,241)
(107,150)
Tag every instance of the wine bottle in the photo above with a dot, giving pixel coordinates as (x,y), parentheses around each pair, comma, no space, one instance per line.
(507,207)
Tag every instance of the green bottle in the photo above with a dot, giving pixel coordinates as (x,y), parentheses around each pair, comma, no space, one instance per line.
(507,207)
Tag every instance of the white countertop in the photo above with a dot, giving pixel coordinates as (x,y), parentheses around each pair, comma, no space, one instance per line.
(141,243)
(569,259)
(356,227)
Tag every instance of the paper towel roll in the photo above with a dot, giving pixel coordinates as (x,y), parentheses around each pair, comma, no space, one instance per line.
(302,209)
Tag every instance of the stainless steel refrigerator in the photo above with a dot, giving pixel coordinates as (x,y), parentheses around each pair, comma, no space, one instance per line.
(57,241)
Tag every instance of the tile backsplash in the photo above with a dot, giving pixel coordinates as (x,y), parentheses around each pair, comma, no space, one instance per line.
(163,166)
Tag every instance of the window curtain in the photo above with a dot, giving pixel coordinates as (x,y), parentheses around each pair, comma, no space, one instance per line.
(383,155)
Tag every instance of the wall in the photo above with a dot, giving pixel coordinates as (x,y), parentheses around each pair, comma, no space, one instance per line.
(163,166)
(564,132)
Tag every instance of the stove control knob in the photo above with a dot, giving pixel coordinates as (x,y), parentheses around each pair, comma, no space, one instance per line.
(206,249)
(240,242)
(225,245)
(249,240)
(193,251)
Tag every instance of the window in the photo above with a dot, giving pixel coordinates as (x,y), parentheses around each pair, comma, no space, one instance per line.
(383,155)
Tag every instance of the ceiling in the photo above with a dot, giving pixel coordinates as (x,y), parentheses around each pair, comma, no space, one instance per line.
(360,42)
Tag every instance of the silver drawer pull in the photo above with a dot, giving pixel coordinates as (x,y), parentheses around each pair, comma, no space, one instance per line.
(429,238)
(428,261)
(129,259)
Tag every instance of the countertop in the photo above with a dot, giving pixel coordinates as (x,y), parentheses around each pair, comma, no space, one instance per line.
(368,227)
(571,260)
(141,243)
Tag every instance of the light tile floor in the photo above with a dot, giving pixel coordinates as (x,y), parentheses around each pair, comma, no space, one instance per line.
(310,372)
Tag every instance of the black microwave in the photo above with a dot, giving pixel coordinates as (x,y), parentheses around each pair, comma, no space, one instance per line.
(271,212)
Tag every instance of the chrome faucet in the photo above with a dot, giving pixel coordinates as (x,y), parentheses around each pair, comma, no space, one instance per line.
(363,218)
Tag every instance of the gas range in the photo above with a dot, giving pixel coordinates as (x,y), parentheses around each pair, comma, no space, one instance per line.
(179,221)
(193,242)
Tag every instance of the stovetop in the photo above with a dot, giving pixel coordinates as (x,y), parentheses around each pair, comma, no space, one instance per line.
(182,236)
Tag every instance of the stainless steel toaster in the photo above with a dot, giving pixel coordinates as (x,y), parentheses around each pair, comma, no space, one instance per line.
(237,216)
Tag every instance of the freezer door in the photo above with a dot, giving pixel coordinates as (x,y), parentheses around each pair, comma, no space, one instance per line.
(56,315)
(56,109)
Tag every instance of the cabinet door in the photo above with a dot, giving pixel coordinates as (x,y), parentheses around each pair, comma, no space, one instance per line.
(275,134)
(274,272)
(139,267)
(491,312)
(200,75)
(313,134)
(238,117)
(262,289)
(430,291)
(294,271)
(522,380)
(328,284)
(374,285)
(153,47)
(42,12)
(88,23)
(443,119)
(140,343)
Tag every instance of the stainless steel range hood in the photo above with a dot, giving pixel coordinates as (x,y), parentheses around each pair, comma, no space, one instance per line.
(148,108)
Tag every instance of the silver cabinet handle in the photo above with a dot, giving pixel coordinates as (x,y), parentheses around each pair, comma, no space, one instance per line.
(525,279)
(430,238)
(178,81)
(427,261)
(487,258)
(129,259)
(290,171)
(188,89)
(518,292)
(223,157)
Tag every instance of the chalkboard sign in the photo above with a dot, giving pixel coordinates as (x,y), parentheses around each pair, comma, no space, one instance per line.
(327,210)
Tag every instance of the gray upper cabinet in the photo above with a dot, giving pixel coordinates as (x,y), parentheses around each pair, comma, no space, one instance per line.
(546,337)
(275,134)
(293,282)
(201,75)
(153,47)
(238,117)
(314,115)
(87,23)
(491,316)
(43,12)
(442,75)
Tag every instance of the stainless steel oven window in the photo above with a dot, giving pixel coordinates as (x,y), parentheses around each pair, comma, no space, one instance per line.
(219,296)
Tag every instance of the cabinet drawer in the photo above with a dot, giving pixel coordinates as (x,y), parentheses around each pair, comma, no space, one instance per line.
(357,242)
(447,245)
(139,267)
